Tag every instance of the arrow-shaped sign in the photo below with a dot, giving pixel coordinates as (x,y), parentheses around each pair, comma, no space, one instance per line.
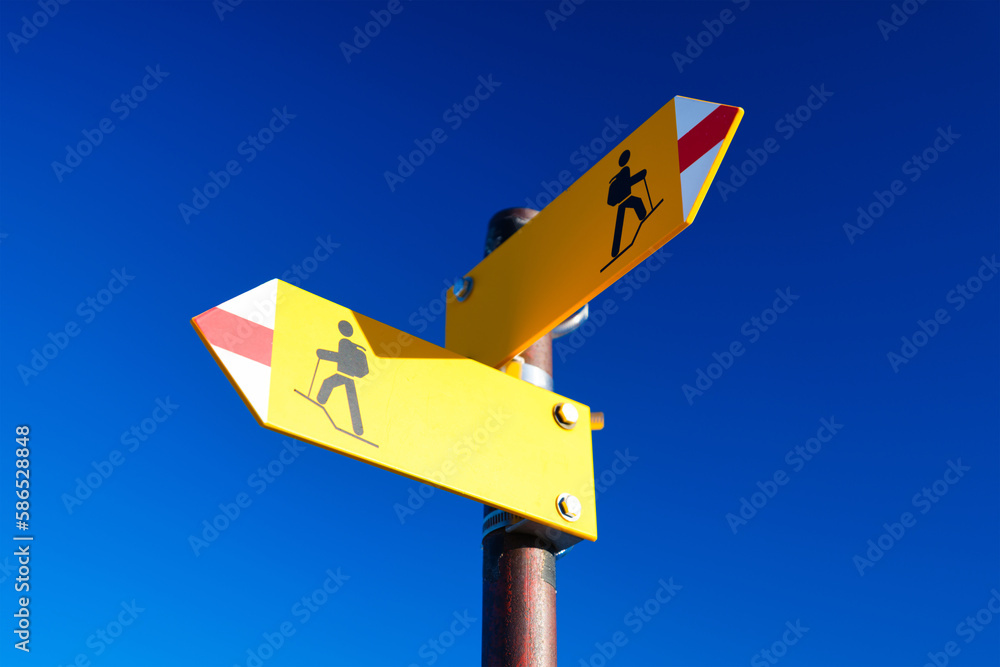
(325,374)
(635,199)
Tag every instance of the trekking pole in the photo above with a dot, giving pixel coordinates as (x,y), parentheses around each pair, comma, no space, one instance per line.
(314,378)
(650,199)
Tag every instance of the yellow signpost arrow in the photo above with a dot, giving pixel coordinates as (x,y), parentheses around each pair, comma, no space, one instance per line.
(635,199)
(323,373)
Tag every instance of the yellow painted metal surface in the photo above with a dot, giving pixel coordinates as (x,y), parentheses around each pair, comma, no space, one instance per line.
(565,255)
(413,408)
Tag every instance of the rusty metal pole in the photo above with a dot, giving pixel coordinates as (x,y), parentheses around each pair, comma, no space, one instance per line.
(519,570)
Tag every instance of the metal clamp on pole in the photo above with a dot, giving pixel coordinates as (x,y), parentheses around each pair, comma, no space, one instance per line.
(572,323)
(554,540)
(519,368)
(498,519)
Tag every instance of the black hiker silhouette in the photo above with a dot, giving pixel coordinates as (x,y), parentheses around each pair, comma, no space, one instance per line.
(620,194)
(351,363)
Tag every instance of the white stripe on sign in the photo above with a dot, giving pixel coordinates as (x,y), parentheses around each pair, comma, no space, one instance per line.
(252,377)
(258,305)
(690,113)
(693,179)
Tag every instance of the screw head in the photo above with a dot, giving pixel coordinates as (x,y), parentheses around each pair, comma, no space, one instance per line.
(569,506)
(566,415)
(462,288)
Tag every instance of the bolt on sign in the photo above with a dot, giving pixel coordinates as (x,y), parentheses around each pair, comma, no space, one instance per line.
(639,196)
(330,376)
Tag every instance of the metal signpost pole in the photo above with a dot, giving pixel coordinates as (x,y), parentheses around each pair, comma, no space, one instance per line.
(519,570)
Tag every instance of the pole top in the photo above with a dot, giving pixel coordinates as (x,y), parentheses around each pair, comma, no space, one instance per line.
(504,223)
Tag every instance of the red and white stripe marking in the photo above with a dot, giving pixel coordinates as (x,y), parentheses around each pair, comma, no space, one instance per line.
(241,333)
(701,128)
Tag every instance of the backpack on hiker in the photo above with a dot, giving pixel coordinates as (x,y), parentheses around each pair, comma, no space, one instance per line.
(351,359)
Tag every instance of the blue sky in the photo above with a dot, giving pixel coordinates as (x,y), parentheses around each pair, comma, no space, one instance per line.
(101,264)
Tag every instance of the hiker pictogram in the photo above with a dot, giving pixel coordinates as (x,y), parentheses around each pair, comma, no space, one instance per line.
(620,195)
(352,362)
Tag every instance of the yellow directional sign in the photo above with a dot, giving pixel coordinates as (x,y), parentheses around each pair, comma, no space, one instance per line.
(638,197)
(325,374)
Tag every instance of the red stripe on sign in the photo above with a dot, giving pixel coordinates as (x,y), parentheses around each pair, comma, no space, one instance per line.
(237,334)
(706,134)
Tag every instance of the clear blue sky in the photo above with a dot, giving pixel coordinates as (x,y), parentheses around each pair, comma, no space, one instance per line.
(905,130)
